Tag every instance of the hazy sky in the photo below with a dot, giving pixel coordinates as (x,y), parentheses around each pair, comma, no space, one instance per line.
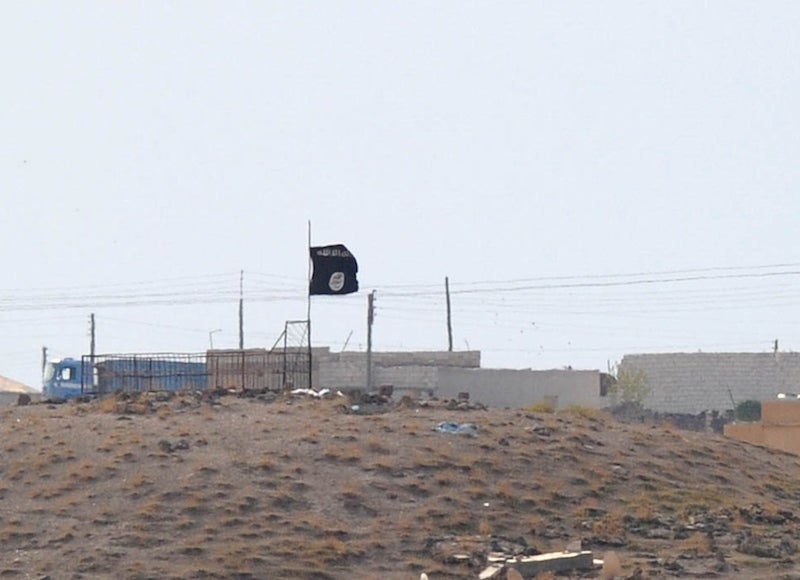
(595,178)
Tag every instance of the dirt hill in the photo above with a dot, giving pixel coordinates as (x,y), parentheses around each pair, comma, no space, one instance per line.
(195,486)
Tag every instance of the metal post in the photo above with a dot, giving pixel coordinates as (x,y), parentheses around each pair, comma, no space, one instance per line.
(308,316)
(285,354)
(241,310)
(370,319)
(91,338)
(449,320)
(211,337)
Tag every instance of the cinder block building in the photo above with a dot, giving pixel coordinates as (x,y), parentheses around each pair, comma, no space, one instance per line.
(696,382)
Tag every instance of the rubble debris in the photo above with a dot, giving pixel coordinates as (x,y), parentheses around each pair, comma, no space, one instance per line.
(514,556)
(552,562)
(542,431)
(491,572)
(756,514)
(766,547)
(458,559)
(168,446)
(311,392)
(460,404)
(381,396)
(264,395)
(457,428)
(705,421)
(374,402)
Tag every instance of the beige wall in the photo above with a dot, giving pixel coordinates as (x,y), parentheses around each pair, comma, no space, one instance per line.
(780,412)
(779,427)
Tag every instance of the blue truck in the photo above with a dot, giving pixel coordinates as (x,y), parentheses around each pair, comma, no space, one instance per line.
(97,375)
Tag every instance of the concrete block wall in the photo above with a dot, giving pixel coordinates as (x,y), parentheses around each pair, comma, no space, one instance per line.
(338,375)
(404,370)
(696,382)
(414,379)
(519,388)
(466,359)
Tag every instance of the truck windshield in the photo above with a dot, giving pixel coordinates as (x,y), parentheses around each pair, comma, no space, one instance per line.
(49,372)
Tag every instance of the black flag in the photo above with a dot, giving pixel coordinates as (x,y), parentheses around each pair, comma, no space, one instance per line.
(335,271)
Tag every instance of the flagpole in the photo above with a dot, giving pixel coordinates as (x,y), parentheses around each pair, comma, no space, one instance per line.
(308,313)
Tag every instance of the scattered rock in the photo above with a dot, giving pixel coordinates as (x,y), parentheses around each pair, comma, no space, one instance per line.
(464,405)
(542,430)
(168,446)
(765,547)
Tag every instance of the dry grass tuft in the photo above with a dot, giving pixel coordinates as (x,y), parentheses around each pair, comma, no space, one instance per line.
(586,413)
(543,406)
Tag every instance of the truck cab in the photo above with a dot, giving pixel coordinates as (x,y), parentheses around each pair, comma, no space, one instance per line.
(62,379)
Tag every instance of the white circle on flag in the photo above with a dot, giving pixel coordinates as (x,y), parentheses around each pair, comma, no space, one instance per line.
(336,283)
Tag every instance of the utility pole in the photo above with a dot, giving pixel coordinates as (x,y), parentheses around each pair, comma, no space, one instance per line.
(89,380)
(370,320)
(241,310)
(91,338)
(449,319)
